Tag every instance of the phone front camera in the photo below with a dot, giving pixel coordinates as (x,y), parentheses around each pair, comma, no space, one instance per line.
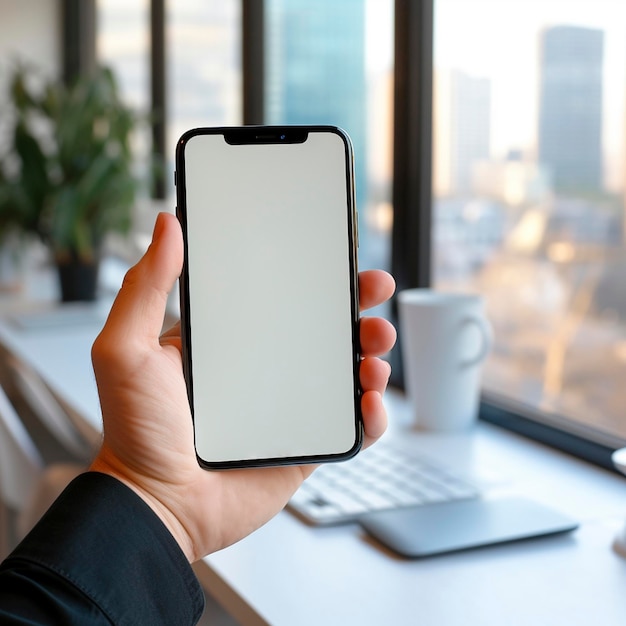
(283,137)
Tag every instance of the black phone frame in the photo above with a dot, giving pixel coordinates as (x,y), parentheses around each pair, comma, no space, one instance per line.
(271,134)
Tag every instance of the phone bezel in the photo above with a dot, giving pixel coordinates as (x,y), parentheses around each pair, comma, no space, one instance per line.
(283,134)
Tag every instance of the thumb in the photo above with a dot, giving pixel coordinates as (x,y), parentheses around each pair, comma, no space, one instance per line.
(139,308)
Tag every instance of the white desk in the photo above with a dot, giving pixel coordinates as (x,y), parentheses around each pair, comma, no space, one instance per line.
(290,574)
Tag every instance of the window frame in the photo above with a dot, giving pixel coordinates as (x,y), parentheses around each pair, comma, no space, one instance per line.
(78,38)
(411,244)
(412,181)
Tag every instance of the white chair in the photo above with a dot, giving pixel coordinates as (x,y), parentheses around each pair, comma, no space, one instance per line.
(51,417)
(27,486)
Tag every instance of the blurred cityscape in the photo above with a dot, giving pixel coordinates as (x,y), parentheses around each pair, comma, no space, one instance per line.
(538,231)
(540,236)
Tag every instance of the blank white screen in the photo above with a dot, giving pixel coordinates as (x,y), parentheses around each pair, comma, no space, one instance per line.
(270,298)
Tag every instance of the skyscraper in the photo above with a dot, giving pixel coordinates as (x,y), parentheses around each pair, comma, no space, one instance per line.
(316,68)
(461,130)
(570,107)
(470,127)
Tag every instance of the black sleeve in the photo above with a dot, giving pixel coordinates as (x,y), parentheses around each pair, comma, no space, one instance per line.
(100,555)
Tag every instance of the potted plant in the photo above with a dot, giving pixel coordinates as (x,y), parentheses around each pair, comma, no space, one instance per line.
(67,175)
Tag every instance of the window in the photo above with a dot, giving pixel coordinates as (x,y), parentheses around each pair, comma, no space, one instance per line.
(331,63)
(529,203)
(204,71)
(528,165)
(203,75)
(123,43)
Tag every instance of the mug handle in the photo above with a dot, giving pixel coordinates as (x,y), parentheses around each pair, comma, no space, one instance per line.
(486,334)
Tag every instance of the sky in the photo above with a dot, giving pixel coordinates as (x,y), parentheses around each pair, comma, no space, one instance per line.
(498,39)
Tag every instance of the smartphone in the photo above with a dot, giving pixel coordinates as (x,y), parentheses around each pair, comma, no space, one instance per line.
(269,294)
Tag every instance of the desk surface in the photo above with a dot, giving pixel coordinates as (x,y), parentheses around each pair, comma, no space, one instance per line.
(288,573)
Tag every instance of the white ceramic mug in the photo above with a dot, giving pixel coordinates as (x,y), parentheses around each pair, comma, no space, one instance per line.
(445,339)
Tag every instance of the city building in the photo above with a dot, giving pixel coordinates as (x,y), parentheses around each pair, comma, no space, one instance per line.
(462,130)
(316,69)
(570,107)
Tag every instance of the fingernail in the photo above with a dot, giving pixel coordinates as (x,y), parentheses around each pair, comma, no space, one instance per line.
(158,227)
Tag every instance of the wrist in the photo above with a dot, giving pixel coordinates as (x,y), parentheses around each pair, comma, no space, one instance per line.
(104,464)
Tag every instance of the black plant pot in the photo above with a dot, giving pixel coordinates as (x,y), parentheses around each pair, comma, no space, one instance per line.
(78,281)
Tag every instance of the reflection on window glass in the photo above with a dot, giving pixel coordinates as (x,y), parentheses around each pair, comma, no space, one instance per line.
(203,78)
(331,63)
(204,72)
(123,43)
(529,170)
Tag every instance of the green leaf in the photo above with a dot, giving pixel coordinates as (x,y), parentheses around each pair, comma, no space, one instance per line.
(34,179)
(78,184)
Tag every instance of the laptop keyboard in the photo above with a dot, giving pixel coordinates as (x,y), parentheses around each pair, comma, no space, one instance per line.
(381,477)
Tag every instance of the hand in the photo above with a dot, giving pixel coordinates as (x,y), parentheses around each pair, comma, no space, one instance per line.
(148,430)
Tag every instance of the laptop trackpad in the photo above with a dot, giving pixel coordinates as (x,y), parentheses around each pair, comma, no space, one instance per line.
(430,529)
